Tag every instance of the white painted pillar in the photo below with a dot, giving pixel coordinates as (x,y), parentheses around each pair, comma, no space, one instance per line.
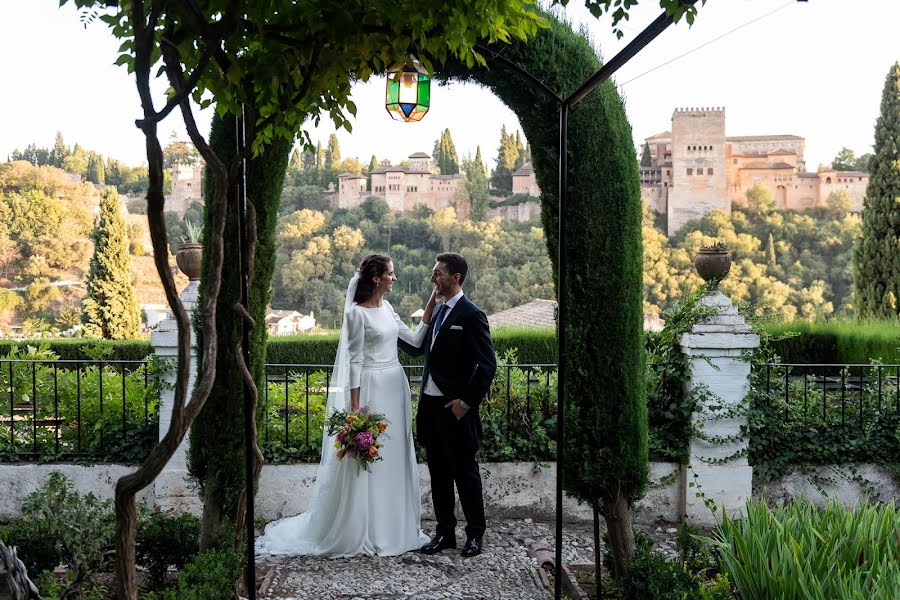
(716,348)
(174,488)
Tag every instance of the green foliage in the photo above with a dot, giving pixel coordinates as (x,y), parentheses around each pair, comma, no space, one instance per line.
(82,526)
(652,577)
(75,418)
(216,453)
(83,348)
(533,346)
(111,310)
(876,259)
(793,422)
(165,540)
(836,342)
(800,552)
(475,189)
(507,155)
(846,160)
(36,544)
(646,159)
(210,574)
(803,274)
(669,404)
(444,155)
(606,410)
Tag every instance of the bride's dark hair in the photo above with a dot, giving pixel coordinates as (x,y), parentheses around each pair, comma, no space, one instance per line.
(372,266)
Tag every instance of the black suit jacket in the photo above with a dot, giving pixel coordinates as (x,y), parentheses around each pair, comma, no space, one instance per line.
(462,361)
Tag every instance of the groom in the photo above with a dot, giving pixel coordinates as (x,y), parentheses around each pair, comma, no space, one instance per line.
(459,366)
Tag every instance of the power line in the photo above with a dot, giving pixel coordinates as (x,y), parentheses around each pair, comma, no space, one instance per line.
(703,45)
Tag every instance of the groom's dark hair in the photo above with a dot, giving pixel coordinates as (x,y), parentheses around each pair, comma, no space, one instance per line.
(455,264)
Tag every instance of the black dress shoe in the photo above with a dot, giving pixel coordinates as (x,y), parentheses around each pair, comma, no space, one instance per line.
(472,547)
(438,543)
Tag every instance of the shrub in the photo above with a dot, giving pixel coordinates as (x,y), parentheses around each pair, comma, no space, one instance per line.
(37,546)
(84,348)
(534,346)
(164,539)
(81,526)
(838,342)
(798,551)
(211,574)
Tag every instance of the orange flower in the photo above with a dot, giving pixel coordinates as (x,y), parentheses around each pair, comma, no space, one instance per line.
(382,426)
(373,451)
(340,454)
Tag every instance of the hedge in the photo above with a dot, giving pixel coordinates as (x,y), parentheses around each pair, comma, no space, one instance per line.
(838,342)
(533,346)
(84,348)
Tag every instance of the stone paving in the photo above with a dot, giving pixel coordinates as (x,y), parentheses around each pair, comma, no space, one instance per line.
(507,570)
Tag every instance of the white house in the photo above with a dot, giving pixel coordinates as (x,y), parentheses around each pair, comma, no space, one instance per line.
(289,322)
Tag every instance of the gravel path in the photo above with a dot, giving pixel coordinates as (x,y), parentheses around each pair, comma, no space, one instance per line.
(506,570)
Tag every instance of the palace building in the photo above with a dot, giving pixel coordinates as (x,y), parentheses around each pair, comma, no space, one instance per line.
(695,168)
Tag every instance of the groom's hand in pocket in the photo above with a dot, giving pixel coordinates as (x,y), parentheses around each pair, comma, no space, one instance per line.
(458,407)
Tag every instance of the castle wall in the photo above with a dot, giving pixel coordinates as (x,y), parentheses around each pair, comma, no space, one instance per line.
(698,166)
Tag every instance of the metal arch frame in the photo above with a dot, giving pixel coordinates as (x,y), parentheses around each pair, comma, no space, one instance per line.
(565,105)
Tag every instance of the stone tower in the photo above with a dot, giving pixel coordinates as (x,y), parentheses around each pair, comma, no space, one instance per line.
(698,165)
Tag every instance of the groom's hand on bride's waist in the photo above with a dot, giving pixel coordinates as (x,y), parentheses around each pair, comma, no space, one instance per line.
(458,407)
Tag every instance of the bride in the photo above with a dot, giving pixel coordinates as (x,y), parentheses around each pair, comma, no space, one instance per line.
(355,512)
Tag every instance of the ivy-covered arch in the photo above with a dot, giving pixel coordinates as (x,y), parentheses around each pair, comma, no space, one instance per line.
(605,411)
(606,446)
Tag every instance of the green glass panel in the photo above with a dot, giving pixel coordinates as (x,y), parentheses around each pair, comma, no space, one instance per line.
(393,91)
(425,90)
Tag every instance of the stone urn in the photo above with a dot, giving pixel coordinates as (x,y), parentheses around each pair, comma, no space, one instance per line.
(189,258)
(713,262)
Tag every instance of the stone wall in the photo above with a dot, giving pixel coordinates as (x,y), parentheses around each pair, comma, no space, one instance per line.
(514,490)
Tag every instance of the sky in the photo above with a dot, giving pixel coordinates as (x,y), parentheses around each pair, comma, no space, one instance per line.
(814,69)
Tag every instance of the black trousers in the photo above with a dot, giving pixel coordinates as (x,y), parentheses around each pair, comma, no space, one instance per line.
(451,460)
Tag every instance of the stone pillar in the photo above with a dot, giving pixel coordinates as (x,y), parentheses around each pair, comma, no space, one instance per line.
(174,489)
(716,349)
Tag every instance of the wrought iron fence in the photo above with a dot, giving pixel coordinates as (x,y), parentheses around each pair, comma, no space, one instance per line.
(78,409)
(825,414)
(833,394)
(518,415)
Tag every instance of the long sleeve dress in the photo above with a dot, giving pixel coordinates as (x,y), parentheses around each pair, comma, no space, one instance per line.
(379,511)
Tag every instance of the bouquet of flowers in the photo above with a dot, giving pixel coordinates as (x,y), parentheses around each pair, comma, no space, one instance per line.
(358,433)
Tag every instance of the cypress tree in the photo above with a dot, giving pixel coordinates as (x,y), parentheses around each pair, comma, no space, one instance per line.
(320,165)
(876,256)
(332,160)
(296,160)
(606,444)
(520,152)
(373,164)
(451,160)
(216,452)
(770,252)
(501,178)
(111,309)
(646,160)
(479,161)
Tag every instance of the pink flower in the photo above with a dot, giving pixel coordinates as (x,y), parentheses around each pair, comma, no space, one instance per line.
(364,440)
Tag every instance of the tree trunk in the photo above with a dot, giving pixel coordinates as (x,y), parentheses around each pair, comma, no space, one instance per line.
(617,514)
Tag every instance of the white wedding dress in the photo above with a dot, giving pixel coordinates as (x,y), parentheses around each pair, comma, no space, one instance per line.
(355,512)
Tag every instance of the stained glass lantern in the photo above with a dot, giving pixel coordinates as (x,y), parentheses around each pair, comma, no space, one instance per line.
(408,91)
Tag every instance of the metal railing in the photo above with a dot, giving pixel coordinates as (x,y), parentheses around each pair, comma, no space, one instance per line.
(517,414)
(78,409)
(833,393)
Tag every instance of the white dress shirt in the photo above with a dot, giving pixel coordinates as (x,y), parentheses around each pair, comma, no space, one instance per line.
(428,385)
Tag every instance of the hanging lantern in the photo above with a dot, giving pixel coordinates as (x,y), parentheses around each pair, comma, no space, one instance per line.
(408,91)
